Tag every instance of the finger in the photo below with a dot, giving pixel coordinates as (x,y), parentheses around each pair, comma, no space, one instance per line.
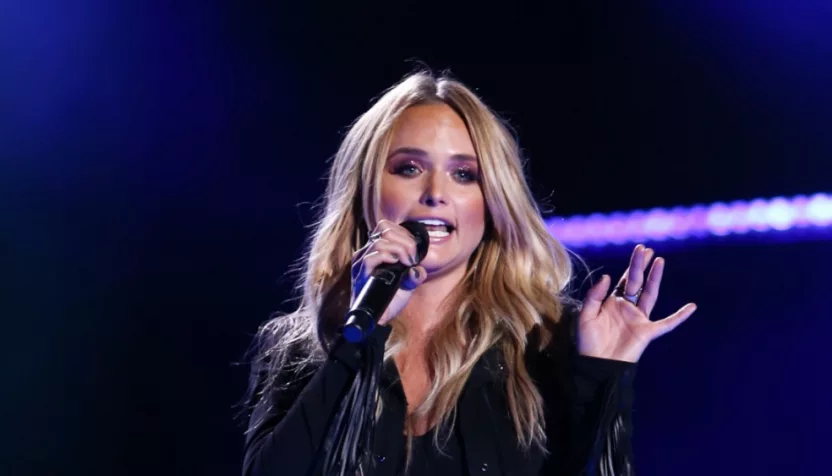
(651,288)
(382,226)
(357,254)
(635,273)
(379,231)
(373,259)
(595,297)
(385,245)
(397,246)
(360,254)
(400,236)
(648,255)
(396,233)
(413,278)
(674,320)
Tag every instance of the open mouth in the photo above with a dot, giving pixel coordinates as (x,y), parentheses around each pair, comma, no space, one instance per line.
(439,231)
(437,228)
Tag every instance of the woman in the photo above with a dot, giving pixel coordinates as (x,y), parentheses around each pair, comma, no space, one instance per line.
(488,366)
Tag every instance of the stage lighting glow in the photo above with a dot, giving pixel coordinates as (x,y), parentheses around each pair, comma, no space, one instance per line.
(773,215)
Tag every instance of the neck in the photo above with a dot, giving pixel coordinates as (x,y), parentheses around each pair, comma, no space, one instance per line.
(427,309)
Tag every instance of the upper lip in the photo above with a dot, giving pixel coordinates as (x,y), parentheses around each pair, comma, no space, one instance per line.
(444,220)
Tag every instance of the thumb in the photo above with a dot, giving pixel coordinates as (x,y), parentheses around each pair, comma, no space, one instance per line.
(415,276)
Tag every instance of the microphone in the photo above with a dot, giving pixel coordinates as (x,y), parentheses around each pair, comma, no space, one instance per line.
(380,288)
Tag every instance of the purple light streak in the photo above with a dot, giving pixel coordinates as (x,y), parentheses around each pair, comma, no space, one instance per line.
(680,223)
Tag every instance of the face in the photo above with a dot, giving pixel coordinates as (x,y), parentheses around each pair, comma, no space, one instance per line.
(432,173)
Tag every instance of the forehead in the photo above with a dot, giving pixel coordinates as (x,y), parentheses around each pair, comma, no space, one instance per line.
(434,127)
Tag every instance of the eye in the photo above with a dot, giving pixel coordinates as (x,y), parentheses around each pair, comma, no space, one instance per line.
(466,175)
(408,169)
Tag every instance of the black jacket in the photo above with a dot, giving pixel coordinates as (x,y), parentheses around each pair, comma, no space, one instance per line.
(588,407)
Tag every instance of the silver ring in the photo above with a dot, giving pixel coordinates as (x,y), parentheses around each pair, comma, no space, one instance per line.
(633,298)
(375,236)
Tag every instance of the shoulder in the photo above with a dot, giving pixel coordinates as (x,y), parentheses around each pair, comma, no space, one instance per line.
(555,337)
(281,356)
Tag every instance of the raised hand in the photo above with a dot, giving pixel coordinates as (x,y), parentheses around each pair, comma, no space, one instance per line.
(618,326)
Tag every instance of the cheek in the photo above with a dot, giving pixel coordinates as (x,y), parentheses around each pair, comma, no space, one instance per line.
(393,202)
(474,215)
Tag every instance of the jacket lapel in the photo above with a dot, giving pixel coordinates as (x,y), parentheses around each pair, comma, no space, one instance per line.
(481,448)
(487,428)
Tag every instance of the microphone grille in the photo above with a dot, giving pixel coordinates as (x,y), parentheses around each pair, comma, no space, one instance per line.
(420,235)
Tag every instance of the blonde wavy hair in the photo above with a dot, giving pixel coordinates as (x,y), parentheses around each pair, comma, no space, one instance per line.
(514,282)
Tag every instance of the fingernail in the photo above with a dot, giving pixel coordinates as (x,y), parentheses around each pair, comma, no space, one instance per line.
(416,273)
(412,260)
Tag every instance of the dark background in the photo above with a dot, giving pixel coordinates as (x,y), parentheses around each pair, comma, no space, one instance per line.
(160,162)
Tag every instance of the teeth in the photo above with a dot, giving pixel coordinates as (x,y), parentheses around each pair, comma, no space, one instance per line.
(437,233)
(433,222)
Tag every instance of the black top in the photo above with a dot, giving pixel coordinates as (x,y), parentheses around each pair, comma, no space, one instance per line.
(588,419)
(427,461)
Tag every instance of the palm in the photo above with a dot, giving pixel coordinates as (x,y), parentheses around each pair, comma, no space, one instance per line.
(614,328)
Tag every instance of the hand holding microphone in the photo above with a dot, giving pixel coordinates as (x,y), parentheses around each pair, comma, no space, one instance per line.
(384,274)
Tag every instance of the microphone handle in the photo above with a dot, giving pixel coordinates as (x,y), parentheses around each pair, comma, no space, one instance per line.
(373,300)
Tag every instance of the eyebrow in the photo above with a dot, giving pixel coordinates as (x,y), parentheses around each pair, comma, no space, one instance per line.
(422,153)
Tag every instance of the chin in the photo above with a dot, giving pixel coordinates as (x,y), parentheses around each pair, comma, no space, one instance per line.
(438,267)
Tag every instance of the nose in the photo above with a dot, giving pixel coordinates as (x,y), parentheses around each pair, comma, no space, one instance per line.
(434,193)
